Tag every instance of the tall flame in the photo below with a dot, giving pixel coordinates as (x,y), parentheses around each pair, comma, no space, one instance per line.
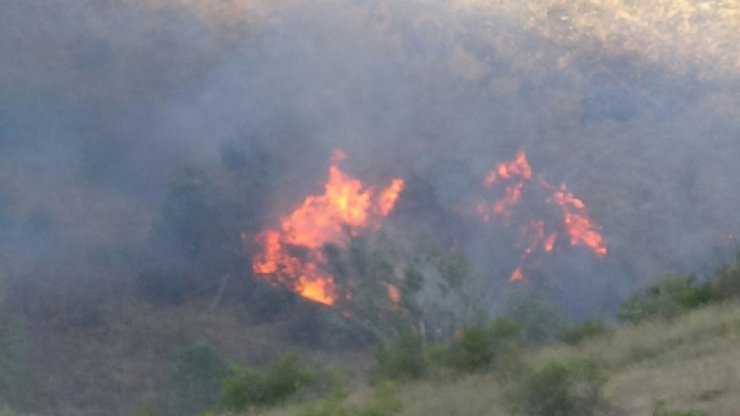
(515,176)
(293,257)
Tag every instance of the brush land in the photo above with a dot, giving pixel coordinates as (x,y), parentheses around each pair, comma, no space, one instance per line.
(690,364)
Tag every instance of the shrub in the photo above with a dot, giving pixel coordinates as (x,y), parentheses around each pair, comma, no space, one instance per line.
(402,359)
(483,347)
(666,299)
(249,387)
(561,389)
(576,334)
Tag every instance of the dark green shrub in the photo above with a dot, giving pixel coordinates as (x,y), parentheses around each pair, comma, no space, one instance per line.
(402,359)
(576,334)
(249,387)
(666,299)
(195,383)
(483,347)
(561,389)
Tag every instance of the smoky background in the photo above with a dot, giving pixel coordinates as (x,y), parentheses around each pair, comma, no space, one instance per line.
(141,138)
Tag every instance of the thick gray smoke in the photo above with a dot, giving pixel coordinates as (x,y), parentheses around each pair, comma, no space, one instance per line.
(108,108)
(104,102)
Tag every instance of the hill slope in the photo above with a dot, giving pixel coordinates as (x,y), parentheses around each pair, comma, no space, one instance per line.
(692,363)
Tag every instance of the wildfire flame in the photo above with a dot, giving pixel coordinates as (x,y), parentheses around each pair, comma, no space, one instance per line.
(581,229)
(515,176)
(517,171)
(293,257)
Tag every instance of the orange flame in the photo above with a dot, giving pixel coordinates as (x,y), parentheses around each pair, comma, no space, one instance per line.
(389,196)
(518,275)
(517,170)
(394,294)
(293,256)
(581,229)
(517,174)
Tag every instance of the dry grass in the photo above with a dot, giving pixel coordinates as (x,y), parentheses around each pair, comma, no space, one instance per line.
(692,363)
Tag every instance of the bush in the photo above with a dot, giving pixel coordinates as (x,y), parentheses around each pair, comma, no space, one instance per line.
(561,389)
(483,347)
(402,359)
(249,387)
(666,299)
(195,384)
(576,334)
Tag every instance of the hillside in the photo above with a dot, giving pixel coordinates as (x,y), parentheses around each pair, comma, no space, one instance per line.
(692,364)
(223,204)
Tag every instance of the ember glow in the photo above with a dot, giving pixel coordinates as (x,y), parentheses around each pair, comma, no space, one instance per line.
(293,257)
(515,177)
(394,294)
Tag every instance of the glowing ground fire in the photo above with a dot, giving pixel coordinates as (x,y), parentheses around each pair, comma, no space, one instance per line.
(293,257)
(514,176)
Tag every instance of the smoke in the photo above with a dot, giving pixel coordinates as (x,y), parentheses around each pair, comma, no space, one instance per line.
(103,103)
(139,139)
